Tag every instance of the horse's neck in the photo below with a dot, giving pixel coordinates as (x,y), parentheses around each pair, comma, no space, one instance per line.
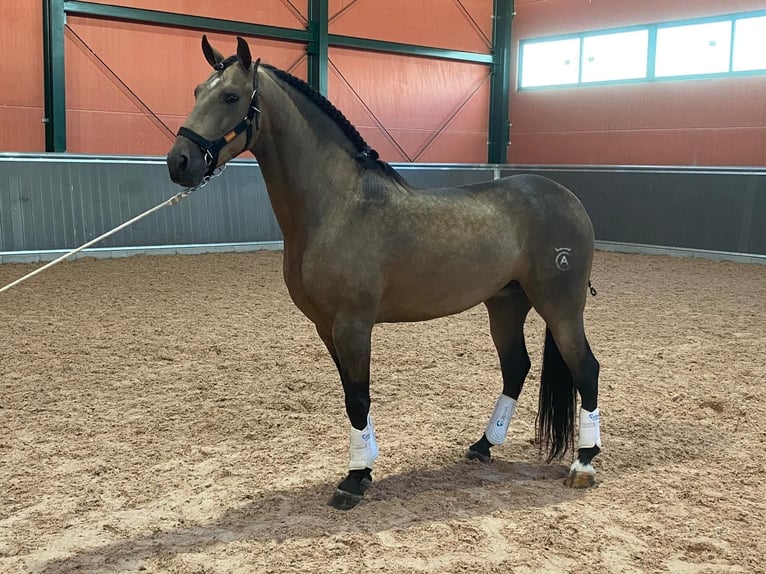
(300,153)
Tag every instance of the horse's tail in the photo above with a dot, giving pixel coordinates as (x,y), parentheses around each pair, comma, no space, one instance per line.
(556,407)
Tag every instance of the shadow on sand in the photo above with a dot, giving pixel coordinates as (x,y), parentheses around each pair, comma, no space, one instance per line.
(456,491)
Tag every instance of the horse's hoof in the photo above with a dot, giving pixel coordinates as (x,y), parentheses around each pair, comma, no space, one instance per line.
(351,490)
(480,450)
(580,480)
(343,500)
(476,455)
(580,476)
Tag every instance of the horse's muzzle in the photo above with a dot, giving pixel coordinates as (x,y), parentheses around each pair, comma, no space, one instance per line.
(186,163)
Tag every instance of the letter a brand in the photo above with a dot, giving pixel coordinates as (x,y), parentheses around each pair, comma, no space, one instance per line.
(562,258)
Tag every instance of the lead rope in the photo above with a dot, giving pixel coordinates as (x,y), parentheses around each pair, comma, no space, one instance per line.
(178,197)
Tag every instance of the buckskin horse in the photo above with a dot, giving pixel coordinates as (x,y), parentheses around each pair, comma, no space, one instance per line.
(362,246)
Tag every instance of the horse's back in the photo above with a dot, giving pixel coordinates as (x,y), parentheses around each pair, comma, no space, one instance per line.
(534,190)
(527,203)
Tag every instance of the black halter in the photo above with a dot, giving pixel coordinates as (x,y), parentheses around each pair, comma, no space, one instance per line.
(213,148)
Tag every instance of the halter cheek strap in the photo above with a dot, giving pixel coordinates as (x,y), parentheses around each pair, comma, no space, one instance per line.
(213,148)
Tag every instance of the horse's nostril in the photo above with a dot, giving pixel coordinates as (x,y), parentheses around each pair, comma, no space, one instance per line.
(179,164)
(183,163)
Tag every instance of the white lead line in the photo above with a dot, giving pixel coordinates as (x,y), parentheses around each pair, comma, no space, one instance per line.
(175,199)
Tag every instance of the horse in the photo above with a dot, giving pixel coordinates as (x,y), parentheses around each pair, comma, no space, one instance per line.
(362,247)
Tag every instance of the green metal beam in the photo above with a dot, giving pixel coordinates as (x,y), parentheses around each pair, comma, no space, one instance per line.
(171,19)
(54,85)
(407,49)
(318,46)
(500,88)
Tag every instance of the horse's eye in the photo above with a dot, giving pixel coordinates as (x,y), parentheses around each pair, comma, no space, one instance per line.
(231,98)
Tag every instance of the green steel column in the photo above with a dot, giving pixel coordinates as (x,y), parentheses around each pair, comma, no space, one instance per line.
(318,44)
(54,20)
(500,87)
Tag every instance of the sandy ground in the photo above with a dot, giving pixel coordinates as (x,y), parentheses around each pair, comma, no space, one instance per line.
(179,415)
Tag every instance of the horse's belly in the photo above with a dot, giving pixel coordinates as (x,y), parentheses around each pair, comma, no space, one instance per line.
(427,295)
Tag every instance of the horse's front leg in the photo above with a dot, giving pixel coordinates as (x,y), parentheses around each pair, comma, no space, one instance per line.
(349,344)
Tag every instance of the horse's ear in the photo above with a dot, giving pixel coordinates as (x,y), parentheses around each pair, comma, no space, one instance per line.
(243,54)
(213,56)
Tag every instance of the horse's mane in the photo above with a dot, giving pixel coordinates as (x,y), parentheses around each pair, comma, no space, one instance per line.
(366,156)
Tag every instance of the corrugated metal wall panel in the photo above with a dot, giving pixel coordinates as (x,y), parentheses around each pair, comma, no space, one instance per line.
(710,209)
(21,76)
(454,24)
(719,121)
(62,203)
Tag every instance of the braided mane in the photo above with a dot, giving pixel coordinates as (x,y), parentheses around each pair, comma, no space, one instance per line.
(367,156)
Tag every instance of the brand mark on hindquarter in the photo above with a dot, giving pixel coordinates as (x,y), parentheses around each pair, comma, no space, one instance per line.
(563,255)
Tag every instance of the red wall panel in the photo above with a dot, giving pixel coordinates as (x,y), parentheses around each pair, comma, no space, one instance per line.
(413,109)
(22,103)
(454,24)
(719,121)
(113,66)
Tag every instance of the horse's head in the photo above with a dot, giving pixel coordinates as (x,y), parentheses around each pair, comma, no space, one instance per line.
(224,121)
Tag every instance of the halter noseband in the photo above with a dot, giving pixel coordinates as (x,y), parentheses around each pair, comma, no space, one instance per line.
(213,148)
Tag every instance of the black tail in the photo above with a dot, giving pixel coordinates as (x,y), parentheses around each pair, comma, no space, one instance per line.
(556,407)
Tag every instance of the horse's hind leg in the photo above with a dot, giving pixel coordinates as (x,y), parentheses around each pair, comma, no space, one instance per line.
(507,313)
(570,365)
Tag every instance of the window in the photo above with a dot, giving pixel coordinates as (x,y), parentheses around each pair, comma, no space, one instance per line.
(716,46)
(694,49)
(749,44)
(550,63)
(616,56)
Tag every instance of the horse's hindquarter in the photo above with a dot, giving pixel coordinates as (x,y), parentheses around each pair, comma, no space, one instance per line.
(448,250)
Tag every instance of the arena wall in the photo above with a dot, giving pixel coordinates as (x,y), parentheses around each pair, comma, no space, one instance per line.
(682,122)
(57,202)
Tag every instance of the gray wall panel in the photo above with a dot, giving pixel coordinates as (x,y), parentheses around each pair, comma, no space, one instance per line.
(710,209)
(50,202)
(60,202)
(446,175)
